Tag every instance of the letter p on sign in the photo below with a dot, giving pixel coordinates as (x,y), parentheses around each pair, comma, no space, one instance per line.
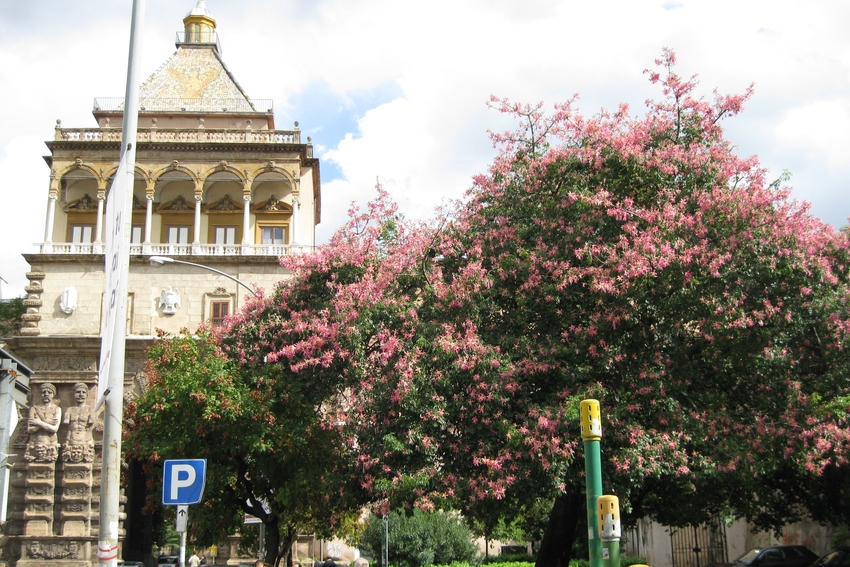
(183,481)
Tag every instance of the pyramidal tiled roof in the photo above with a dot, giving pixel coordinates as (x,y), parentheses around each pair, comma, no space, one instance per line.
(193,79)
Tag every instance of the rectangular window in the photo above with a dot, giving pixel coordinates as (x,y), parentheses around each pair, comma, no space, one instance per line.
(274,235)
(220,310)
(82,234)
(136,234)
(178,235)
(225,235)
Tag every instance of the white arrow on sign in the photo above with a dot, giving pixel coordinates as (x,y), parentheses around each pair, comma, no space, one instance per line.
(182,516)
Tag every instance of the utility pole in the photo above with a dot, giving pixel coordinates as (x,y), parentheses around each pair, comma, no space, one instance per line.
(117,270)
(591,434)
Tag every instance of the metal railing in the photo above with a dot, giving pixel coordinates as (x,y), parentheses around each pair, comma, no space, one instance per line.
(192,136)
(68,248)
(198,38)
(179,104)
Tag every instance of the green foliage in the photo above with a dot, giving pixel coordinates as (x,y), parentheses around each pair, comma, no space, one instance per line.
(267,454)
(419,539)
(840,536)
(10,316)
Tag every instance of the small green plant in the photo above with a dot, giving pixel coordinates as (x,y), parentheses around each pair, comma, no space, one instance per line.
(840,536)
(420,539)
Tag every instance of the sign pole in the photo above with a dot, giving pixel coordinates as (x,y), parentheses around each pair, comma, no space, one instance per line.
(117,268)
(591,434)
(180,527)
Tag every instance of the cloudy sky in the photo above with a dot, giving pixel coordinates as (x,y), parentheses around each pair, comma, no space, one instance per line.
(396,90)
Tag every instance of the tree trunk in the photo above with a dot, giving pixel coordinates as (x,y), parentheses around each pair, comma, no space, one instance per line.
(286,550)
(272,542)
(561,530)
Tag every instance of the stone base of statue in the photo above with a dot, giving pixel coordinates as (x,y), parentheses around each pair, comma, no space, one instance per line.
(54,551)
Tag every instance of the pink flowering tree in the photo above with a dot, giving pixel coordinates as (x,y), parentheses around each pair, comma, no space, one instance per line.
(639,261)
(635,260)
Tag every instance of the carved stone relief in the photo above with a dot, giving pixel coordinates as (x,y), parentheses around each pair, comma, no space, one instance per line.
(74,363)
(169,300)
(43,424)
(59,550)
(80,420)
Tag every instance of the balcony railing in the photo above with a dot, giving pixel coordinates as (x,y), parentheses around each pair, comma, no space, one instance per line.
(63,248)
(198,38)
(191,136)
(265,105)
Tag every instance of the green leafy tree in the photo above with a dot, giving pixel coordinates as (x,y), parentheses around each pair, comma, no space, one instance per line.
(10,316)
(267,453)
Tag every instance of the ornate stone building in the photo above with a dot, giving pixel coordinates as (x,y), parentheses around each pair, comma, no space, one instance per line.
(215,184)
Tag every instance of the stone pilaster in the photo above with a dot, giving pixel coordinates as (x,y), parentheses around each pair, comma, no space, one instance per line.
(40,483)
(75,511)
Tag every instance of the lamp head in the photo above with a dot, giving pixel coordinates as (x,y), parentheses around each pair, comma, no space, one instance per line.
(159,260)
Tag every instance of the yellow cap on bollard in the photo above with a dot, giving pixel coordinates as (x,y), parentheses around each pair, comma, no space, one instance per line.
(591,420)
(608,507)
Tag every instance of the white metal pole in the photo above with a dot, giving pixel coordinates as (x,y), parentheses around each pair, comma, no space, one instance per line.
(7,406)
(113,395)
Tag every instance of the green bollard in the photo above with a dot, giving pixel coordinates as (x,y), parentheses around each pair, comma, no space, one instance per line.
(591,434)
(610,531)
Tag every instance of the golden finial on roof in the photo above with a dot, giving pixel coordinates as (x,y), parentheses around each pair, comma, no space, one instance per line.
(199,24)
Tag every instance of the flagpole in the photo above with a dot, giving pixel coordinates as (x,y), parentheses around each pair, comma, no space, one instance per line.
(116,270)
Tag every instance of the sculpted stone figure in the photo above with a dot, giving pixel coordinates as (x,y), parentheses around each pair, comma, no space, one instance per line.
(80,419)
(169,300)
(42,425)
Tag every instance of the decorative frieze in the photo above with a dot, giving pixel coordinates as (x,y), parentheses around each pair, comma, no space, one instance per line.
(65,363)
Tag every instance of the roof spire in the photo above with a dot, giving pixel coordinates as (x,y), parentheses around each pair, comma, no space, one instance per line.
(199,25)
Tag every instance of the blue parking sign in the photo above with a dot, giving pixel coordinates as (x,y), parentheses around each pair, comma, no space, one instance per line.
(183,481)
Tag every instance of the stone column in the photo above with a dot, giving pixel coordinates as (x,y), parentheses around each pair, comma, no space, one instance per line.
(97,246)
(246,218)
(77,458)
(51,214)
(148,222)
(98,227)
(149,195)
(42,451)
(197,238)
(296,204)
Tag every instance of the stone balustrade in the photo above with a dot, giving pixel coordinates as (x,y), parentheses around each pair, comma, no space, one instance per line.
(183,136)
(63,248)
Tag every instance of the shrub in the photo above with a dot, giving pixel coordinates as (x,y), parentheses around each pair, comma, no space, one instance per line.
(419,539)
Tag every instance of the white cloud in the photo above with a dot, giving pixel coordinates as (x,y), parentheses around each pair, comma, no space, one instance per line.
(446,57)
(821,127)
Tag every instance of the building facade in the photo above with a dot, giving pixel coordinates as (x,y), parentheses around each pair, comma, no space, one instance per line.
(215,184)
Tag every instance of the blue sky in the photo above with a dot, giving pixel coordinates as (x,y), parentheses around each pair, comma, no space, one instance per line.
(396,90)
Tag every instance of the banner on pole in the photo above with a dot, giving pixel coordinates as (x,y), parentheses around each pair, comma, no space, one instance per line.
(117,257)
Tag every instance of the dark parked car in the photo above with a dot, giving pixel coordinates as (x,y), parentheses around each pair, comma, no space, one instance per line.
(168,560)
(776,556)
(838,558)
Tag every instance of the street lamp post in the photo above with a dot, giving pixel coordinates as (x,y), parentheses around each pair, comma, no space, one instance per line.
(160,260)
